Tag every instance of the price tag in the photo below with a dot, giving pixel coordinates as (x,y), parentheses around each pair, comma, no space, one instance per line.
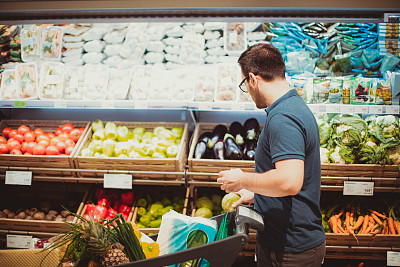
(393,258)
(107,104)
(376,109)
(60,104)
(332,108)
(353,188)
(141,105)
(392,109)
(118,181)
(19,177)
(361,109)
(347,109)
(314,108)
(19,104)
(19,241)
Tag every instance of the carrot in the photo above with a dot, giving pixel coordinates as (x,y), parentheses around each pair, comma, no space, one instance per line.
(333,223)
(365,224)
(392,231)
(397,226)
(385,228)
(369,229)
(340,214)
(376,219)
(359,222)
(347,222)
(351,218)
(376,231)
(383,216)
(339,225)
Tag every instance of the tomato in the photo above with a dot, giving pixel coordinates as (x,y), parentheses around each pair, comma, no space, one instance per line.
(14,145)
(16,152)
(61,147)
(3,149)
(42,137)
(38,131)
(50,135)
(63,137)
(24,147)
(58,131)
(30,137)
(30,147)
(67,128)
(81,130)
(19,138)
(54,141)
(69,150)
(52,150)
(23,129)
(3,140)
(39,150)
(44,143)
(75,134)
(69,143)
(10,140)
(27,153)
(6,132)
(12,133)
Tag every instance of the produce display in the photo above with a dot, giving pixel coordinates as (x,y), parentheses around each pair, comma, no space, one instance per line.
(208,207)
(27,80)
(30,43)
(9,85)
(26,141)
(51,80)
(237,143)
(51,43)
(350,139)
(119,141)
(10,45)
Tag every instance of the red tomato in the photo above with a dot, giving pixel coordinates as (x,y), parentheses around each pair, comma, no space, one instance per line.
(3,149)
(81,130)
(75,134)
(69,150)
(19,138)
(12,133)
(3,140)
(27,153)
(24,147)
(23,129)
(50,135)
(69,143)
(44,143)
(61,147)
(10,140)
(54,141)
(67,128)
(30,147)
(16,152)
(38,131)
(6,131)
(52,150)
(42,137)
(39,150)
(14,145)
(30,137)
(63,137)
(58,131)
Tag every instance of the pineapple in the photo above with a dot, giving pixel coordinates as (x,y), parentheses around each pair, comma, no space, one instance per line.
(114,256)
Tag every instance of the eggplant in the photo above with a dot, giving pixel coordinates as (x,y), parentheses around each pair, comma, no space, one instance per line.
(232,150)
(217,134)
(200,150)
(218,149)
(204,137)
(251,127)
(250,149)
(237,131)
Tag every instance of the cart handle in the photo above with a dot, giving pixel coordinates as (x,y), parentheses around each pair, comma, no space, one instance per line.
(248,218)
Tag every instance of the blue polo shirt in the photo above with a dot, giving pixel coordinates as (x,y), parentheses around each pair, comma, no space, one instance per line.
(291,223)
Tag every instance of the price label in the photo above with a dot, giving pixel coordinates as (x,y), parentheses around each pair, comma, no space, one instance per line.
(361,109)
(118,181)
(347,109)
(393,258)
(141,105)
(392,109)
(332,109)
(60,104)
(107,104)
(205,106)
(19,104)
(314,108)
(376,109)
(353,188)
(19,241)
(18,177)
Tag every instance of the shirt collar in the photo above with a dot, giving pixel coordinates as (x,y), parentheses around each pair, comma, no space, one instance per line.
(290,93)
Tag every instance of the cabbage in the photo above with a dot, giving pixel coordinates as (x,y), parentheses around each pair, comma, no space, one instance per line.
(348,130)
(387,129)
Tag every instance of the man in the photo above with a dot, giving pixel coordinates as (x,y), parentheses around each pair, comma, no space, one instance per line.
(286,184)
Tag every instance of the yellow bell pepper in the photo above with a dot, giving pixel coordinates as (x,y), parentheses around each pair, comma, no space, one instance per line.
(151,249)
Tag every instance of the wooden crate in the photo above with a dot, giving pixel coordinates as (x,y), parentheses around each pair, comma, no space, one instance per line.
(127,164)
(212,165)
(202,191)
(361,240)
(360,170)
(43,161)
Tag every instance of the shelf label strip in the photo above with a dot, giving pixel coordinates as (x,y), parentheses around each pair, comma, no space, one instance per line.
(19,241)
(118,181)
(353,188)
(18,177)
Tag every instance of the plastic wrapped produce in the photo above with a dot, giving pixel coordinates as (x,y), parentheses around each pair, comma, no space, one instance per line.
(30,44)
(71,38)
(119,26)
(74,29)
(76,62)
(115,37)
(256,36)
(96,82)
(9,85)
(159,88)
(73,83)
(93,58)
(51,43)
(181,87)
(205,81)
(336,90)
(172,58)
(118,84)
(176,31)
(191,48)
(113,61)
(72,52)
(212,35)
(95,33)
(71,59)
(321,90)
(193,27)
(155,46)
(134,46)
(235,41)
(153,57)
(94,46)
(155,32)
(137,27)
(51,80)
(212,59)
(140,82)
(175,50)
(112,49)
(227,82)
(172,41)
(213,26)
(215,42)
(73,45)
(27,80)
(216,51)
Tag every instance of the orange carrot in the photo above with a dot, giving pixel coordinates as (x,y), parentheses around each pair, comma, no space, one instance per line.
(359,222)
(333,223)
(385,228)
(369,229)
(392,231)
(351,218)
(340,214)
(397,226)
(376,219)
(339,225)
(365,224)
(383,216)
(376,231)
(347,222)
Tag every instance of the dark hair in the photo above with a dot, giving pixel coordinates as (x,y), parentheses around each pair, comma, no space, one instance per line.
(263,60)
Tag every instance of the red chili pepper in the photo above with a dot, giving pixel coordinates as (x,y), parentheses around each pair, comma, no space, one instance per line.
(90,208)
(124,210)
(127,198)
(100,211)
(104,202)
(116,205)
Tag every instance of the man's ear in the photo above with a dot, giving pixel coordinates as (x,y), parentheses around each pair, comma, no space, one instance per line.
(253,79)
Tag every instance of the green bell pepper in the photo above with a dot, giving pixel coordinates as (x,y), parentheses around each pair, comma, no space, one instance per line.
(123,134)
(166,209)
(141,211)
(111,130)
(146,219)
(172,151)
(155,209)
(99,135)
(142,202)
(108,147)
(155,224)
(166,201)
(178,132)
(96,146)
(97,125)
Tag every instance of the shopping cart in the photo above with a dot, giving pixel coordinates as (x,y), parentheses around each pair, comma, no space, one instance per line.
(221,253)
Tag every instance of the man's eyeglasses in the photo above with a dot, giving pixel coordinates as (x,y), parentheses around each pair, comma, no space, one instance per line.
(243,86)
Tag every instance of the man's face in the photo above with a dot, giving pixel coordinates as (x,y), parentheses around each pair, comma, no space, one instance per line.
(254,92)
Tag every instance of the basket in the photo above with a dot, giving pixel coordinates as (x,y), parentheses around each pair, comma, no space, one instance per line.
(31,162)
(200,191)
(212,165)
(29,257)
(129,164)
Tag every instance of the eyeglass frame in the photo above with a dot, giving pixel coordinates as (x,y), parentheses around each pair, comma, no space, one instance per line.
(243,83)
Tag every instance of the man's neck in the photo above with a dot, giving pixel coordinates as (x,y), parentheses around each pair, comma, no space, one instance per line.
(275,90)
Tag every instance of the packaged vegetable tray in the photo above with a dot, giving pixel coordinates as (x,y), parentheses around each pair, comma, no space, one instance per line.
(27,80)
(96,82)
(30,44)
(51,80)
(235,40)
(51,43)
(227,82)
(205,82)
(9,85)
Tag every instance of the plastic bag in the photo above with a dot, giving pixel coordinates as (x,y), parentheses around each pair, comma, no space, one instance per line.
(389,63)
(335,90)
(94,46)
(321,90)
(343,62)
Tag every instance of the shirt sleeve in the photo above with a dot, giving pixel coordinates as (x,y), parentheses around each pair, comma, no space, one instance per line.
(287,138)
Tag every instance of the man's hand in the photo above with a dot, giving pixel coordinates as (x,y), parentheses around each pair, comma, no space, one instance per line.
(230,180)
(246,197)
